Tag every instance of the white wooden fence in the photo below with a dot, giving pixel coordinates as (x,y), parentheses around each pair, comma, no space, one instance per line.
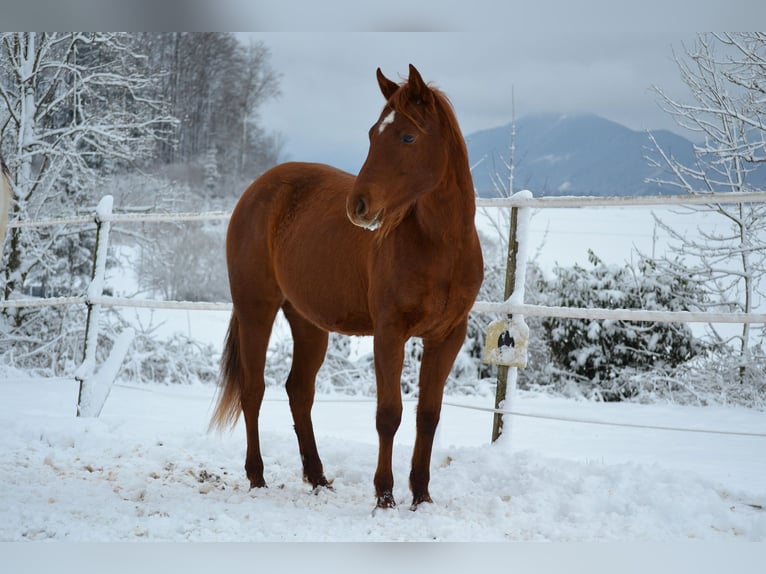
(92,382)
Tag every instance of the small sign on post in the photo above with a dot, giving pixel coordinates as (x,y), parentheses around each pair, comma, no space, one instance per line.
(507,343)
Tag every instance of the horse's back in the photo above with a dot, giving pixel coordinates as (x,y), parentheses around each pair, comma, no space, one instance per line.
(270,203)
(289,182)
(290,227)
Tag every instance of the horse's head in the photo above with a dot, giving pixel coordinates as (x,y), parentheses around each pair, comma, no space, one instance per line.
(409,153)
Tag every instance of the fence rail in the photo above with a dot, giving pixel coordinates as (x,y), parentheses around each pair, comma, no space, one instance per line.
(487,307)
(569,201)
(124,218)
(95,298)
(618,314)
(559,202)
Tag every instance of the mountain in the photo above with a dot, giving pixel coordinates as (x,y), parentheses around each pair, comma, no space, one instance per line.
(572,155)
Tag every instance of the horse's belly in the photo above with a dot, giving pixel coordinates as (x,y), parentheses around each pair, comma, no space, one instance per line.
(326,282)
(338,310)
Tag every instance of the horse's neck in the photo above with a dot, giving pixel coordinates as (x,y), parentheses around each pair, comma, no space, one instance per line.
(447,213)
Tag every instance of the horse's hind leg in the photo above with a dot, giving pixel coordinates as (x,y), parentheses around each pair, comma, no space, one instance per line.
(254,332)
(309,348)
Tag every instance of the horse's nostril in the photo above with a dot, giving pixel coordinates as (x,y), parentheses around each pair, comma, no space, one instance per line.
(361,207)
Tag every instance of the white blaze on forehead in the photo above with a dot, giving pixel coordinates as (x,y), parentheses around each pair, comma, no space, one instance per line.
(385,121)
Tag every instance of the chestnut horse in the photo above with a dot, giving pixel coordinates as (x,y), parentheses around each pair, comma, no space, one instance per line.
(409,266)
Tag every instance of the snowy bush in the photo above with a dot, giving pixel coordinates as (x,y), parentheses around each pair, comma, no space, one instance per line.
(178,359)
(342,373)
(604,352)
(339,374)
(185,262)
(48,341)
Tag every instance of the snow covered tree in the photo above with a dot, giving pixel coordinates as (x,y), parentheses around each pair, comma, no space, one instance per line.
(73,110)
(185,262)
(726,78)
(215,86)
(212,176)
(600,351)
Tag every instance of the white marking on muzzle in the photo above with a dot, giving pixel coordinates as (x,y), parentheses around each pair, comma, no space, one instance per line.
(389,119)
(374,224)
(370,225)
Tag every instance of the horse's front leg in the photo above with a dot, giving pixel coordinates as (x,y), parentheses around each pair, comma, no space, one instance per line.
(389,358)
(438,357)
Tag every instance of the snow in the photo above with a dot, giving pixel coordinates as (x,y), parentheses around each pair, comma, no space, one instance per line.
(104,208)
(522,251)
(563,236)
(96,389)
(148,470)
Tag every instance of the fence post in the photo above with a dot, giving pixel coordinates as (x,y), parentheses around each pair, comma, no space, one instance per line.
(84,373)
(515,277)
(510,282)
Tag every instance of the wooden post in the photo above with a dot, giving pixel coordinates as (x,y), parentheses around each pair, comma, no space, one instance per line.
(84,373)
(510,281)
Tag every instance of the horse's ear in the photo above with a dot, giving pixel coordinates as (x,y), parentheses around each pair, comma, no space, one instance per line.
(418,89)
(387,87)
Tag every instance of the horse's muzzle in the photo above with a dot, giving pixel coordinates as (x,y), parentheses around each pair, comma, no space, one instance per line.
(358,212)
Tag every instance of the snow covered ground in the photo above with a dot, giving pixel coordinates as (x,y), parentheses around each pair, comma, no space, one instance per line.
(563,236)
(148,470)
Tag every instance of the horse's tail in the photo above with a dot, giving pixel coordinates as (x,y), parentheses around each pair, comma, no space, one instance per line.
(5,199)
(229,404)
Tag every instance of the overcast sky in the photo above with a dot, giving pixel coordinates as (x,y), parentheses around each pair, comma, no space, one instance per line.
(330,95)
(559,56)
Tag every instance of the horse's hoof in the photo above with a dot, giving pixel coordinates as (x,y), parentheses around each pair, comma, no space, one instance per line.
(257,483)
(323,484)
(321,481)
(386,500)
(418,500)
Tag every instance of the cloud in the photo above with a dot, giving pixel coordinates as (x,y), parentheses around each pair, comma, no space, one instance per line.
(330,96)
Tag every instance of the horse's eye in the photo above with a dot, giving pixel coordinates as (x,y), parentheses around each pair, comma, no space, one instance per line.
(408,138)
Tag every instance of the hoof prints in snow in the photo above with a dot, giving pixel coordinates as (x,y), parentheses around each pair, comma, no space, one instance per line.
(147,470)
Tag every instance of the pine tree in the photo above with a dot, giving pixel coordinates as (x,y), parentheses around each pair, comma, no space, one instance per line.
(599,351)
